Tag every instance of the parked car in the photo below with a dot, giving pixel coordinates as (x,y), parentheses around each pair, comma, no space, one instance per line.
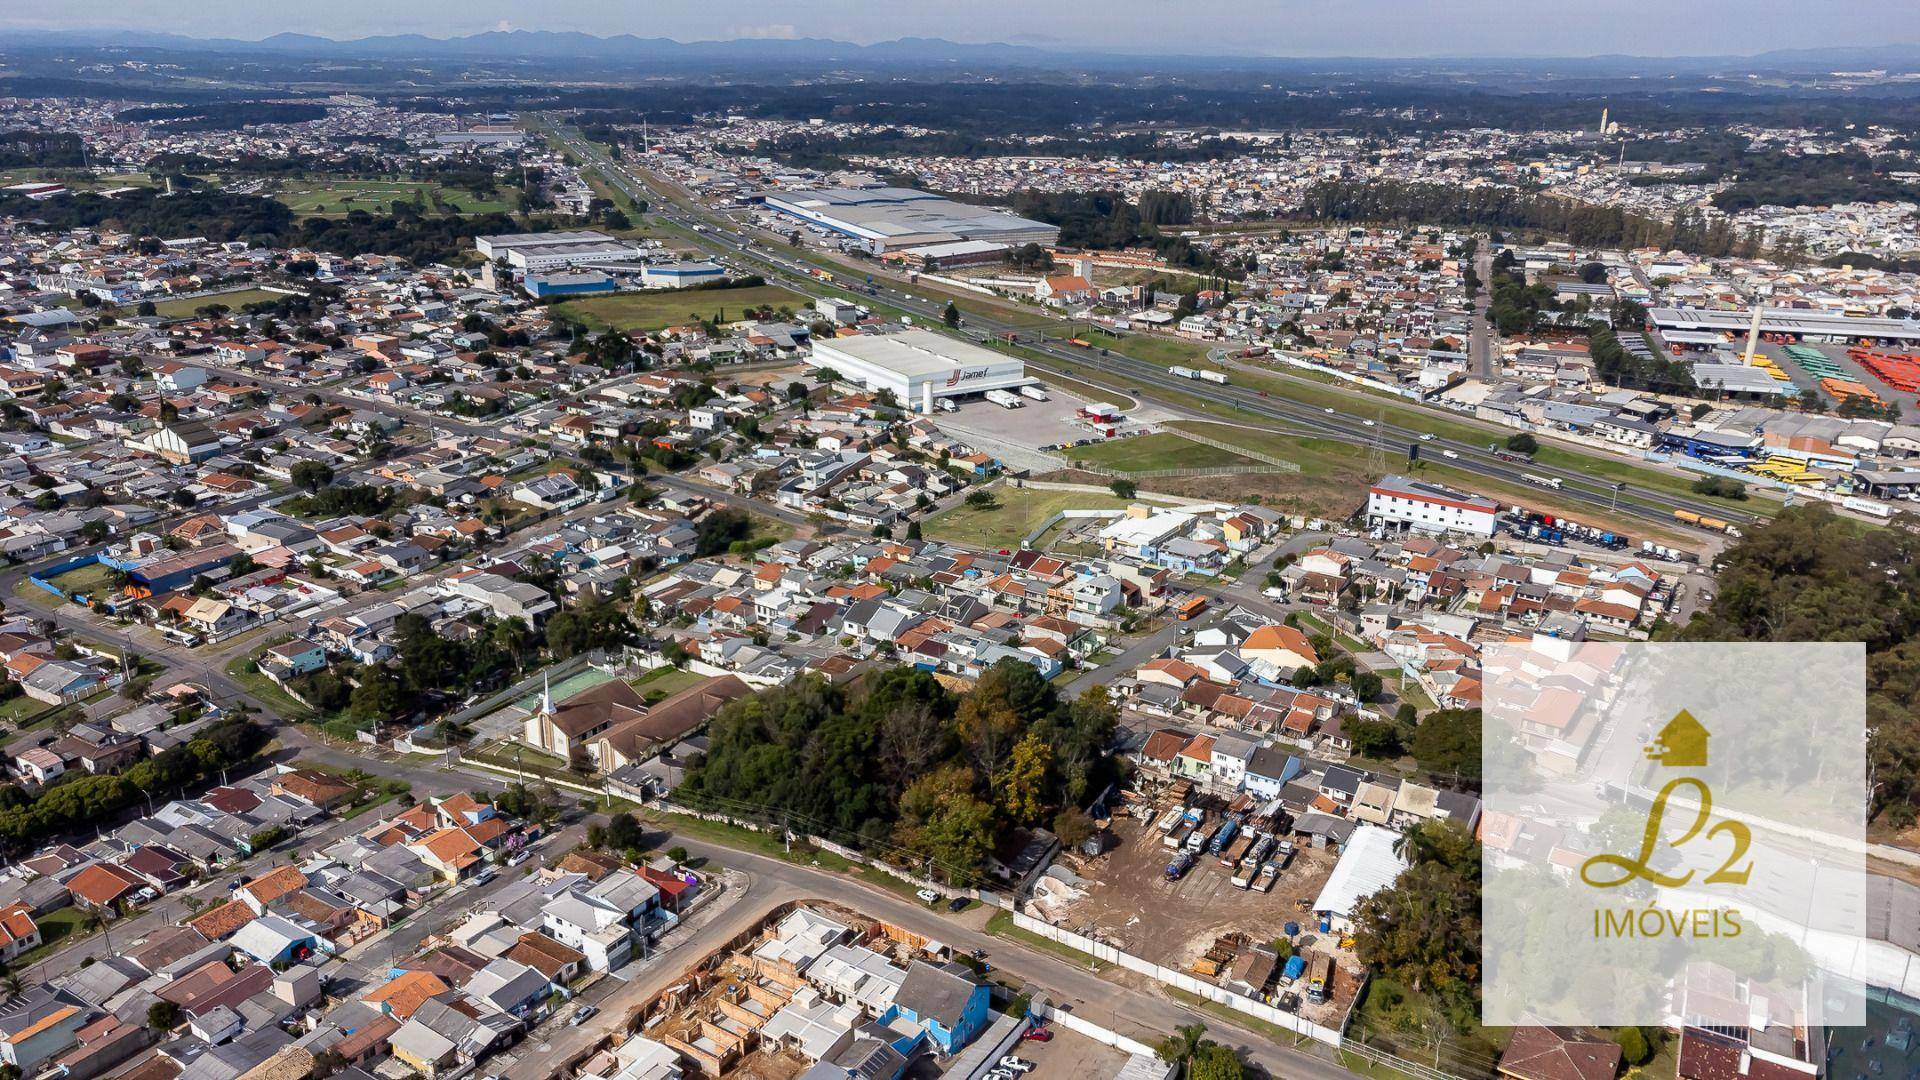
(928,896)
(1020,1065)
(1038,1034)
(583,1014)
(958,903)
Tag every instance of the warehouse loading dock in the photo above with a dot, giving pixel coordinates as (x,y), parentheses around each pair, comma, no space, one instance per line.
(920,367)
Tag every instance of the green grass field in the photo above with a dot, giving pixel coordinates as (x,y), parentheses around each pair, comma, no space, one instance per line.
(664,682)
(239,298)
(1018,512)
(656,310)
(335,198)
(75,179)
(90,581)
(1163,450)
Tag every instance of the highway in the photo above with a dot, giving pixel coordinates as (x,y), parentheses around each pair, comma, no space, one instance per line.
(760,253)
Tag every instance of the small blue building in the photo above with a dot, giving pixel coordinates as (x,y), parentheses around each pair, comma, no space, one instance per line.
(576,283)
(947,1000)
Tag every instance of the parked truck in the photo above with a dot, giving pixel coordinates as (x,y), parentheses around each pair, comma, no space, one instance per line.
(1176,837)
(1198,839)
(1319,976)
(1243,875)
(1704,522)
(1032,390)
(1269,873)
(1221,839)
(1181,863)
(1004,399)
(1214,377)
(1174,816)
(1233,853)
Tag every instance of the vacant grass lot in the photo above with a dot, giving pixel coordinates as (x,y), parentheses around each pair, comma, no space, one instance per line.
(664,682)
(1018,511)
(1147,453)
(234,301)
(335,198)
(654,311)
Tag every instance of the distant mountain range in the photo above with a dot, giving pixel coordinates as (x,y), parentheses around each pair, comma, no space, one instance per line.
(555,45)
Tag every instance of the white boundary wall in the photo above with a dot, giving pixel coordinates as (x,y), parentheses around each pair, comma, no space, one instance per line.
(1179,980)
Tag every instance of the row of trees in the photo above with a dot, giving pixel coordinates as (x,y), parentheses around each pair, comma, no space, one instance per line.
(1513,208)
(1810,576)
(78,799)
(908,770)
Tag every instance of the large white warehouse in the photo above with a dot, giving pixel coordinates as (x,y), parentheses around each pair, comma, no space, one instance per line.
(889,218)
(536,252)
(919,366)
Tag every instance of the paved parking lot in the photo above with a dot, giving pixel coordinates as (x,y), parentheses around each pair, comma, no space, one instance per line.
(1071,1056)
(1015,435)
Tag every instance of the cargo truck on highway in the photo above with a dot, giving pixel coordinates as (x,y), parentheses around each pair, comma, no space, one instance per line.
(1704,522)
(1213,377)
(1183,372)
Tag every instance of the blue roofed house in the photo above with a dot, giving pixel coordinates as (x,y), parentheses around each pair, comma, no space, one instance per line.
(946,1000)
(1268,770)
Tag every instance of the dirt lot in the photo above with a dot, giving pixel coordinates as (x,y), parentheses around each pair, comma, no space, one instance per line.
(1173,923)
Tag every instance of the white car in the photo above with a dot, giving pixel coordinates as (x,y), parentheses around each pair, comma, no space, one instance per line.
(1019,1065)
(1427,437)
(1449,454)
(1329,412)
(928,896)
(1366,423)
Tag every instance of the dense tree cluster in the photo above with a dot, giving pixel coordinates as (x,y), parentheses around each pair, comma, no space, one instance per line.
(1424,929)
(224,115)
(903,767)
(79,798)
(40,149)
(409,234)
(1615,365)
(1515,208)
(1810,576)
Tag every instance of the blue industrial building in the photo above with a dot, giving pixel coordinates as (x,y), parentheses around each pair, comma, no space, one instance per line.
(579,283)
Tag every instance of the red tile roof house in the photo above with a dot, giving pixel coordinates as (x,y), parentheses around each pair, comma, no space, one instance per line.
(105,887)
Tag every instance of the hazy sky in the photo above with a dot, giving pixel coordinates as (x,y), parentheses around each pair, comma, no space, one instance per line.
(1271,27)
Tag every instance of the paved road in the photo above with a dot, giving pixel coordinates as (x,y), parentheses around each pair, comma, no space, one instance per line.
(1480,341)
(1143,1014)
(767,255)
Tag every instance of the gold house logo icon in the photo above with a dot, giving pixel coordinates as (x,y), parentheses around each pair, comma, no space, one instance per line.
(1681,744)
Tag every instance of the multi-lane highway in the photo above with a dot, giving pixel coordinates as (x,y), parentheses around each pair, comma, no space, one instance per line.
(764,253)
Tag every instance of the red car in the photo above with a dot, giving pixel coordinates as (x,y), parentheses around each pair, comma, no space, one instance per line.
(1038,1034)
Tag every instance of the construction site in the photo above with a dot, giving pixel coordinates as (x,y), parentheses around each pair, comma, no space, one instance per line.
(813,983)
(1213,920)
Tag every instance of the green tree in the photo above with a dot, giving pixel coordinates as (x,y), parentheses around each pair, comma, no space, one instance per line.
(1447,742)
(1124,488)
(951,316)
(1523,443)
(163,1016)
(312,475)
